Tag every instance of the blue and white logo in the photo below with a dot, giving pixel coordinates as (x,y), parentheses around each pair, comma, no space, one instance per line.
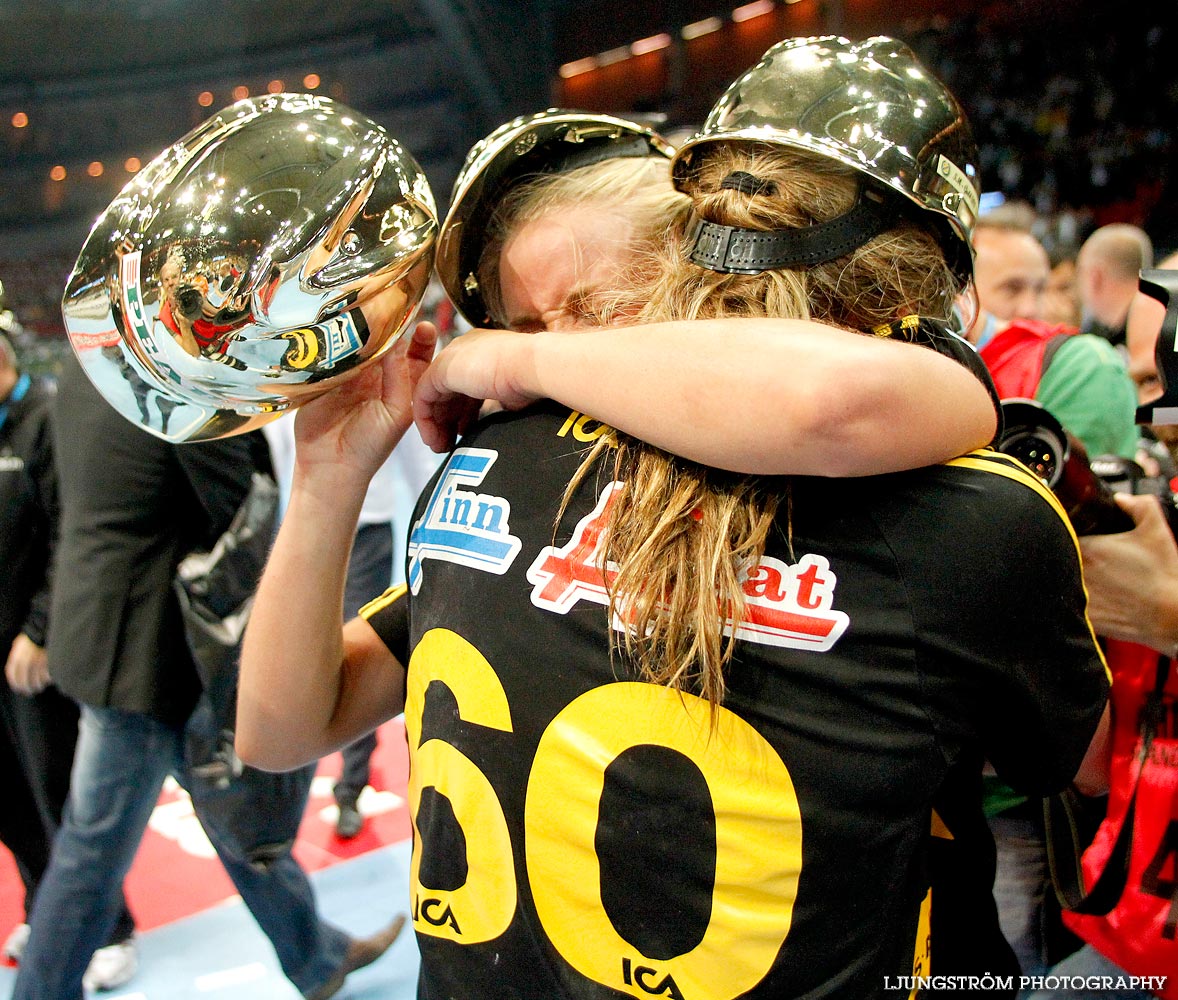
(343,339)
(462,527)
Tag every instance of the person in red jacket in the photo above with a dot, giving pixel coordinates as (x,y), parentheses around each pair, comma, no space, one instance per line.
(1079,378)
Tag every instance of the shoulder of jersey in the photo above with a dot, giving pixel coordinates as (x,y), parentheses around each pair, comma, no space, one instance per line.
(988,461)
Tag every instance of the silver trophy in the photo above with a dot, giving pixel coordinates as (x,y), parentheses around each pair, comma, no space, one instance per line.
(284,242)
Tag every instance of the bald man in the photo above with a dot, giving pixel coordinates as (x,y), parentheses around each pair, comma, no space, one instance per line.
(1079,379)
(1106,277)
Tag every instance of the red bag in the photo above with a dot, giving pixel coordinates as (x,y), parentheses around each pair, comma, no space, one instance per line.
(1140,933)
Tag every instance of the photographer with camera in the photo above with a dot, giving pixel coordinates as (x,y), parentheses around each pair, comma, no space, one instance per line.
(1133,576)
(1132,582)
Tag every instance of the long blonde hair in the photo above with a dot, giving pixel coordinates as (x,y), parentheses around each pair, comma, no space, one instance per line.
(683,535)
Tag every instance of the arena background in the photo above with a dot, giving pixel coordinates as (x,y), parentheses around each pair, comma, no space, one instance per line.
(1073,102)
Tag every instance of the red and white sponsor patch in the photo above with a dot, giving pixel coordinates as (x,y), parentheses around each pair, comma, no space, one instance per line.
(786,604)
(572,573)
(89,341)
(790,605)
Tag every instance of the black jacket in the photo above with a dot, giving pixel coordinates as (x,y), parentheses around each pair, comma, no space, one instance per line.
(28,527)
(133,506)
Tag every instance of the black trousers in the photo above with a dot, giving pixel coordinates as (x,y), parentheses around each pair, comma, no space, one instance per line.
(370,570)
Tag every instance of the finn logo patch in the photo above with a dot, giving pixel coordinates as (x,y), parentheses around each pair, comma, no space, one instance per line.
(462,526)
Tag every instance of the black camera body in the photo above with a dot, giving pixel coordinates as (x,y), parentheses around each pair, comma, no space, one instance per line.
(1083,487)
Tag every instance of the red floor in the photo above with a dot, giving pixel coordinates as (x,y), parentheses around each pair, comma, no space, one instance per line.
(175,873)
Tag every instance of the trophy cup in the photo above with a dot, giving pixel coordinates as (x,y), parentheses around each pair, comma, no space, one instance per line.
(284,242)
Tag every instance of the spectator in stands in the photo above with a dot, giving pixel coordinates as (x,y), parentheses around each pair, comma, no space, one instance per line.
(1107,267)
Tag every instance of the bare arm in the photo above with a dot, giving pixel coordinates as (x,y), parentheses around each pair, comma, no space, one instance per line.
(767,396)
(1092,777)
(308,685)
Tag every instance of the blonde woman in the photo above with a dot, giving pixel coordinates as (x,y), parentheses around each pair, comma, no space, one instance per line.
(532,243)
(675,730)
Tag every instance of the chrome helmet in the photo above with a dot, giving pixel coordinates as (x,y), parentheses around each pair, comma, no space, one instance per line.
(870,105)
(552,141)
(283,242)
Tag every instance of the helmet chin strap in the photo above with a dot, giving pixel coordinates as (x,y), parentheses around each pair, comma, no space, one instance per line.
(732,250)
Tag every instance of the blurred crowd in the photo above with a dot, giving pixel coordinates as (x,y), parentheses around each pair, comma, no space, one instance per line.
(1078,121)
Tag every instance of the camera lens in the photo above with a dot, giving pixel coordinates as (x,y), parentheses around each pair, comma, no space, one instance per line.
(1040,453)
(189,299)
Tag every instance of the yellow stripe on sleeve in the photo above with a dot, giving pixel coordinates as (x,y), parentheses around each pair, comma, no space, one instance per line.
(996,462)
(382,602)
(1010,467)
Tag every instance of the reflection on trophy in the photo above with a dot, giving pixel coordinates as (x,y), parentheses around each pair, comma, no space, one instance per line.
(286,241)
(190,306)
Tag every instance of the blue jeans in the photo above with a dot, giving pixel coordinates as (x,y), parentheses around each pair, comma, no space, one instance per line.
(1021,884)
(121,762)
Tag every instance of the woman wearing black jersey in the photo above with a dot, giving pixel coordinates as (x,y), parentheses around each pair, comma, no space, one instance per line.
(734,797)
(532,241)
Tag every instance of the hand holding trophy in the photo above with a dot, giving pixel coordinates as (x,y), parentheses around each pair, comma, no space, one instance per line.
(283,243)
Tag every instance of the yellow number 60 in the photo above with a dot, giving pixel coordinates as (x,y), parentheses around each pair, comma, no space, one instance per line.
(758,827)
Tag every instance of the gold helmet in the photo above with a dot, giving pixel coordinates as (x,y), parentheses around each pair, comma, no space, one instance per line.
(869,105)
(552,141)
(284,242)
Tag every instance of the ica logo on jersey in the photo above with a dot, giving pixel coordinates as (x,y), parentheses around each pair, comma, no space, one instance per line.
(650,980)
(460,526)
(434,911)
(785,605)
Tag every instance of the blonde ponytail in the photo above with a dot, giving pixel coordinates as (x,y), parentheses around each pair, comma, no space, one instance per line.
(682,535)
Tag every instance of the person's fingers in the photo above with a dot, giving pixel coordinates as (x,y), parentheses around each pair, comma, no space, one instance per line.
(1142,508)
(423,342)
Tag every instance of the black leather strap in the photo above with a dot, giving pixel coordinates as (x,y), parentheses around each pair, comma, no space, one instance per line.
(732,250)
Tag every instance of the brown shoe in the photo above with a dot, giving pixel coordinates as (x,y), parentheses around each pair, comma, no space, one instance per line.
(361,952)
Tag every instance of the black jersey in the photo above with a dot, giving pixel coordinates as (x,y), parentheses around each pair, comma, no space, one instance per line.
(935,335)
(581,834)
